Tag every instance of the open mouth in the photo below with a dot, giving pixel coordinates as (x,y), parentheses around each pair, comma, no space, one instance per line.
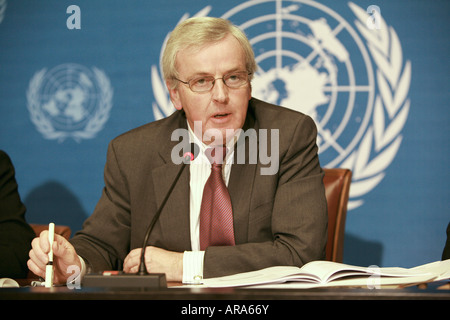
(221,115)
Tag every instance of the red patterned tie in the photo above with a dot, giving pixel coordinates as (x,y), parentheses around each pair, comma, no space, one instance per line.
(216,214)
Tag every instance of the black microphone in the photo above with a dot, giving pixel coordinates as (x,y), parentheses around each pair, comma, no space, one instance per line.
(142,279)
(187,158)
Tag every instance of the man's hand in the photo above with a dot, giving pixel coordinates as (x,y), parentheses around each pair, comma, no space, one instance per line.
(64,256)
(157,260)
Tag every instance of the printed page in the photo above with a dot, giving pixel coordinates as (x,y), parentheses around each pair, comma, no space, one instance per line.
(317,273)
(268,275)
(330,271)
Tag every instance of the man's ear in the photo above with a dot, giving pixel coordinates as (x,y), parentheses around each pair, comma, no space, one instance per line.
(174,96)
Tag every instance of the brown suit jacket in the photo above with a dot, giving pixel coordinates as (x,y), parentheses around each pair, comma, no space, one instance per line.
(279,219)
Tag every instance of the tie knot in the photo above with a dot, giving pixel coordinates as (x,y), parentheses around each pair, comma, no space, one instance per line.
(216,155)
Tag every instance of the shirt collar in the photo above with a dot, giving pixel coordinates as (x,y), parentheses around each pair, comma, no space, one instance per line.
(230,145)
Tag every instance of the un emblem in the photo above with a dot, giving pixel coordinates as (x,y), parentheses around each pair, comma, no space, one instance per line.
(3,5)
(69,101)
(350,79)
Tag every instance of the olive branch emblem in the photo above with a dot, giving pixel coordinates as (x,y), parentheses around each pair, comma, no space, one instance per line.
(383,138)
(96,122)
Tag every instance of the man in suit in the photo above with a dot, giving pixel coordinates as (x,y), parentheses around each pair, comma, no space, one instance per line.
(15,233)
(279,218)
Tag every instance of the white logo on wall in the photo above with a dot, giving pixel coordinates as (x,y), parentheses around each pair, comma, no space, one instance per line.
(354,85)
(3,5)
(69,101)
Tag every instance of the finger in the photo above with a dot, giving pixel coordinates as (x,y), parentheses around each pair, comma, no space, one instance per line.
(39,263)
(35,269)
(128,264)
(36,253)
(132,260)
(135,253)
(62,247)
(64,253)
(135,269)
(43,241)
(132,255)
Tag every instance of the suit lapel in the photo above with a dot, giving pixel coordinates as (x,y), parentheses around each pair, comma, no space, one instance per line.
(174,219)
(241,181)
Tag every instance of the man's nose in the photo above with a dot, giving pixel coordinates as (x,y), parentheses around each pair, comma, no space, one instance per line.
(220,91)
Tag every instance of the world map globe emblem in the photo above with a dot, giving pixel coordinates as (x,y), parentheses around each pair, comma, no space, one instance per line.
(304,65)
(69,100)
(351,79)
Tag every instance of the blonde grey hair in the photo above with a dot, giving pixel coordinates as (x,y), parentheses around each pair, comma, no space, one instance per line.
(194,33)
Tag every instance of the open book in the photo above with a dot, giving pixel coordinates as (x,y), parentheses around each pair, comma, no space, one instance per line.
(327,274)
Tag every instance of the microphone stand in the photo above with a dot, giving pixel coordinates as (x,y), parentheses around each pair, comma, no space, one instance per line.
(142,267)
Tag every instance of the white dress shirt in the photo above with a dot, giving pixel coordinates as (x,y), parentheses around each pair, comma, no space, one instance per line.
(200,169)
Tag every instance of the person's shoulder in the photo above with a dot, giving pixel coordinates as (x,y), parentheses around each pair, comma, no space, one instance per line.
(5,160)
(275,115)
(152,132)
(4,155)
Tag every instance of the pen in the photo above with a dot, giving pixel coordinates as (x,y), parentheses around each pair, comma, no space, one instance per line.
(49,266)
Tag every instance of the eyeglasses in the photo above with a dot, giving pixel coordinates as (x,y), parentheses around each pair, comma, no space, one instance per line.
(232,80)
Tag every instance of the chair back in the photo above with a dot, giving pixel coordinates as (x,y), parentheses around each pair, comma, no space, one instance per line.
(337,188)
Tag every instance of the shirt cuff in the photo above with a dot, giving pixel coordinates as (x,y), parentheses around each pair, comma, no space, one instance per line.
(83,267)
(74,281)
(193,267)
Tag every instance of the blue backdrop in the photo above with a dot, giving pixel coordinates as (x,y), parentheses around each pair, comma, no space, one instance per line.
(373,74)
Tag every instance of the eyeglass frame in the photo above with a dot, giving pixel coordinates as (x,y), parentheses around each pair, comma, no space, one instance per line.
(214,81)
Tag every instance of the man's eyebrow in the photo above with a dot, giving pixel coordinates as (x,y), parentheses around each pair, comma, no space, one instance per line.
(201,73)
